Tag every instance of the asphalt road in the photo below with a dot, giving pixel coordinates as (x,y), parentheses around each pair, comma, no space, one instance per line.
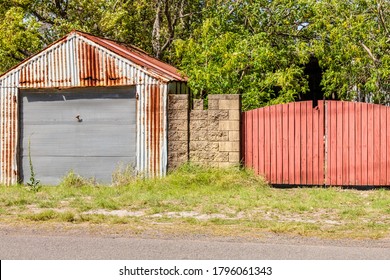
(38,245)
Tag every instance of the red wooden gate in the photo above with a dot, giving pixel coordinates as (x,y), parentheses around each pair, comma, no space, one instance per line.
(336,143)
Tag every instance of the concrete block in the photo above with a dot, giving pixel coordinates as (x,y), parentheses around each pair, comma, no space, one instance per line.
(229,125)
(177,135)
(229,104)
(213,104)
(234,157)
(178,146)
(234,115)
(198,115)
(178,125)
(198,135)
(219,136)
(178,101)
(234,135)
(177,114)
(233,146)
(218,115)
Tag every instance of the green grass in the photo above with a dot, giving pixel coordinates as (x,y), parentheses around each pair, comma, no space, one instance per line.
(193,198)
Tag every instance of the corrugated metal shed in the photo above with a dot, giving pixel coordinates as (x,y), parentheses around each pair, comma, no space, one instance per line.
(83,60)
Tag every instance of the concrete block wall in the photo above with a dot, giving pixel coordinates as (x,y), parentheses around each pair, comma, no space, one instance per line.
(210,137)
(178,130)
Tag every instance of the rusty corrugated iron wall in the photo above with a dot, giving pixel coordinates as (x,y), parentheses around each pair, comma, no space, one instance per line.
(78,61)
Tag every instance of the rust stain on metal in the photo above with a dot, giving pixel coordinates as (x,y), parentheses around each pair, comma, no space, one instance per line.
(155,127)
(93,72)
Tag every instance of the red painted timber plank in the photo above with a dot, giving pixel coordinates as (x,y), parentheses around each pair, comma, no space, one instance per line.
(291,143)
(309,135)
(273,144)
(388,146)
(315,140)
(345,144)
(339,144)
(285,137)
(364,133)
(261,142)
(303,143)
(255,140)
(267,143)
(279,144)
(249,132)
(332,141)
(358,147)
(297,144)
(383,146)
(352,144)
(370,144)
(321,143)
(376,145)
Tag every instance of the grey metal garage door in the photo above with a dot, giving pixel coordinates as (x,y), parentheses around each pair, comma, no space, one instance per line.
(87,130)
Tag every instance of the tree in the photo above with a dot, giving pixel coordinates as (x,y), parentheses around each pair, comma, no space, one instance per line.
(28,25)
(254,48)
(351,39)
(260,48)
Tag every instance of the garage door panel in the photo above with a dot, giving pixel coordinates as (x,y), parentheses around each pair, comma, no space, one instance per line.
(51,170)
(90,111)
(101,140)
(92,145)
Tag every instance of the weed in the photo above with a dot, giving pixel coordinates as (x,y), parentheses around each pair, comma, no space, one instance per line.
(42,216)
(69,217)
(33,185)
(76,181)
(124,175)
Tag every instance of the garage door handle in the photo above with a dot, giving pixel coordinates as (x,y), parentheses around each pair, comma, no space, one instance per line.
(78,118)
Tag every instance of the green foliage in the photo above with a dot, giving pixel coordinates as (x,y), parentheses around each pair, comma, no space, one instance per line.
(256,48)
(253,48)
(259,49)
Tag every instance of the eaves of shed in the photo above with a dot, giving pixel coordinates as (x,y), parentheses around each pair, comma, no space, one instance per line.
(85,104)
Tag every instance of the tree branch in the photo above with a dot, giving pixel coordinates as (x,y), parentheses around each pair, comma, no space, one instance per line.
(369,52)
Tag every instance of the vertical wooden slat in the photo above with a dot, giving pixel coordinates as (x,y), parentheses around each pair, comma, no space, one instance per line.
(364,149)
(285,139)
(370,144)
(332,140)
(291,143)
(345,144)
(255,138)
(352,145)
(315,150)
(303,144)
(279,144)
(339,142)
(376,145)
(249,154)
(273,143)
(383,146)
(297,144)
(388,146)
(310,156)
(261,142)
(321,143)
(359,144)
(267,143)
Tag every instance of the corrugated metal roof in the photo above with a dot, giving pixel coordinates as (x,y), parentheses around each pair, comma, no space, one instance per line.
(150,65)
